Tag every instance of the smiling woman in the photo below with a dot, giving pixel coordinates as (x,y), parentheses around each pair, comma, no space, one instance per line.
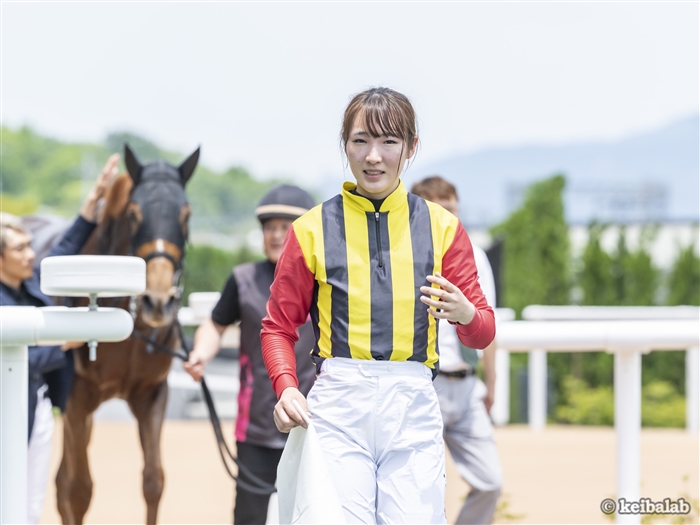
(379,136)
(365,265)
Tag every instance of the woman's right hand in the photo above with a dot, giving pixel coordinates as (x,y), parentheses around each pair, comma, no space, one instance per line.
(285,415)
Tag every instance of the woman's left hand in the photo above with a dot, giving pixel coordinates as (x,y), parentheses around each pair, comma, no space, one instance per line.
(451,305)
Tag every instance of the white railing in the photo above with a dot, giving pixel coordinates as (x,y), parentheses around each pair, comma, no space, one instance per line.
(500,410)
(537,362)
(627,340)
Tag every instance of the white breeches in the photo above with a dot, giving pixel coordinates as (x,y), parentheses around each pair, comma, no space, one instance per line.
(380,427)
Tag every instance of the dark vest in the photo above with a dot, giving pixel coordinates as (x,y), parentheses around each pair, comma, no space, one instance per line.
(256,398)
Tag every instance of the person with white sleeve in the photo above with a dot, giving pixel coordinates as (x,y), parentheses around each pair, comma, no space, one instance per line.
(464,399)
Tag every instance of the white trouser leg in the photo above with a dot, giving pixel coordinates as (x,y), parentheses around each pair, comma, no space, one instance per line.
(39,457)
(379,423)
(469,437)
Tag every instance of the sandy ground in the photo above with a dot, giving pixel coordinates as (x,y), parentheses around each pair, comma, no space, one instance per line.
(557,476)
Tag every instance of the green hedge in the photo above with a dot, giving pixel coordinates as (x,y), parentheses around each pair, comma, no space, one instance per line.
(207,267)
(662,406)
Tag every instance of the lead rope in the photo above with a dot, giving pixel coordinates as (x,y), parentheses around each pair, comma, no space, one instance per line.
(256,485)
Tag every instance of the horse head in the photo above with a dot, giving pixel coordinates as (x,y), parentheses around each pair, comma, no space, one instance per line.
(157,213)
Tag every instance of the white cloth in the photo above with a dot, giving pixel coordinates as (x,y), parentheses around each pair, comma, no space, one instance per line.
(302,470)
(39,456)
(448,343)
(380,425)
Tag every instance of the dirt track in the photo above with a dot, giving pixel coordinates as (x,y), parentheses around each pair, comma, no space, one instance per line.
(557,476)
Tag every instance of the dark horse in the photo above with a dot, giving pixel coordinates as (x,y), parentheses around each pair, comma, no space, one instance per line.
(146,215)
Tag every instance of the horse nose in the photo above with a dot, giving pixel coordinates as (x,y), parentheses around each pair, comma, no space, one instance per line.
(148,303)
(158,306)
(169,305)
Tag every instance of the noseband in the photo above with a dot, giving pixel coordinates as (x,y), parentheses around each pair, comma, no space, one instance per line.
(177,263)
(178,275)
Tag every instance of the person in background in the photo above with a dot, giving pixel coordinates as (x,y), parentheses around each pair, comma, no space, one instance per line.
(259,444)
(50,367)
(464,399)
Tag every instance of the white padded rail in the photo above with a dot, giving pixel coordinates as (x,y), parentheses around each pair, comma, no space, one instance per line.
(28,325)
(83,275)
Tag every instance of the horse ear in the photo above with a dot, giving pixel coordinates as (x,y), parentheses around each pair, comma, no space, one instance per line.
(186,169)
(133,166)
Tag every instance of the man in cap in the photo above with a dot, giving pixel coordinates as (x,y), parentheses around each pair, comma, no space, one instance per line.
(244,298)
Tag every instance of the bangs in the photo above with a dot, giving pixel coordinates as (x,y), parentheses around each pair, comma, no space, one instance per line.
(380,111)
(383,119)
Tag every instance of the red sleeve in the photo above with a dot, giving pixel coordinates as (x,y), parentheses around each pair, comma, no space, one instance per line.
(459,268)
(291,294)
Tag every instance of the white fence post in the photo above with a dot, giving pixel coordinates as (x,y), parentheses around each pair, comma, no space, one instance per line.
(13,429)
(692,389)
(500,411)
(627,339)
(628,423)
(537,389)
(20,326)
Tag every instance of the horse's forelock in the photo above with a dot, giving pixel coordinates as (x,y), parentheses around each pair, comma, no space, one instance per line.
(118,196)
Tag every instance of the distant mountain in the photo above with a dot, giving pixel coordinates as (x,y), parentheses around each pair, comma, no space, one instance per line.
(652,176)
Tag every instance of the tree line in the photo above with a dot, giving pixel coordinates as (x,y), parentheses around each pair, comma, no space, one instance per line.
(43,175)
(538,268)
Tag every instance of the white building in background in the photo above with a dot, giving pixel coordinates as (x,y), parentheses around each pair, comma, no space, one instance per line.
(669,238)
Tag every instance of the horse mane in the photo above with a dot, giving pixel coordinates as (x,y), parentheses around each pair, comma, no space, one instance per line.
(117,197)
(111,237)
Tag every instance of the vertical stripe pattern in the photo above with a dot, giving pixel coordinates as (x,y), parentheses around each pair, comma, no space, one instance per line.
(403,283)
(335,251)
(359,274)
(423,265)
(381,289)
(369,270)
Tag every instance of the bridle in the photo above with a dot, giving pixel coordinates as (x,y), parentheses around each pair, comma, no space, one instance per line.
(156,239)
(177,264)
(178,285)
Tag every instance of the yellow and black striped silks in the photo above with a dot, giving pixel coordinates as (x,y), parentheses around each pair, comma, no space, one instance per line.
(369,267)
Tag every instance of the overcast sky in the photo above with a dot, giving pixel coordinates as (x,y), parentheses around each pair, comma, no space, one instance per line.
(264,85)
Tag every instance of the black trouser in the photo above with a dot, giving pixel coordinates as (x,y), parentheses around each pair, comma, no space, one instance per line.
(251,509)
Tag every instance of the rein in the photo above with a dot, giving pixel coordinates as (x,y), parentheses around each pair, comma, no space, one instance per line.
(171,182)
(256,485)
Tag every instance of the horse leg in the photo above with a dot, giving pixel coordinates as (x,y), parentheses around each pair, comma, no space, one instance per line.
(149,409)
(73,481)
